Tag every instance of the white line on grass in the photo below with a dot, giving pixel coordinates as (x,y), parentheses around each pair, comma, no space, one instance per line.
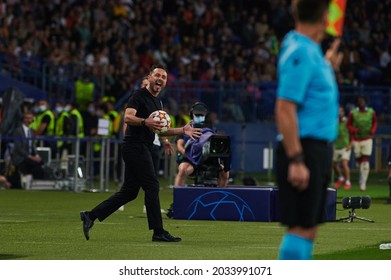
(370,229)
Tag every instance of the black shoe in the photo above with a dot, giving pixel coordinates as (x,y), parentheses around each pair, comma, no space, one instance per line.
(170,211)
(87,223)
(165,237)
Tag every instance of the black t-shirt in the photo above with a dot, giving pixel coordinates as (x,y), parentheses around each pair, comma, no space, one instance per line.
(144,103)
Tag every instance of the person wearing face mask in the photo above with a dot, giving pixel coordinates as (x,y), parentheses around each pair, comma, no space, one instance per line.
(45,126)
(186,167)
(62,127)
(76,125)
(77,121)
(90,120)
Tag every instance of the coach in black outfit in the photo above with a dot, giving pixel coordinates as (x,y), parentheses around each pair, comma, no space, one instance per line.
(139,167)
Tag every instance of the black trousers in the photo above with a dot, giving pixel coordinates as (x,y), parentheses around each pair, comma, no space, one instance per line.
(156,156)
(29,166)
(305,208)
(139,173)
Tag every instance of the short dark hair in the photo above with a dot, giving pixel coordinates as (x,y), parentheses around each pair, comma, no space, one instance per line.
(309,11)
(153,67)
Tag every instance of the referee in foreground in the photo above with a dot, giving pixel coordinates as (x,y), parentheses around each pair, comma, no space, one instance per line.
(307,119)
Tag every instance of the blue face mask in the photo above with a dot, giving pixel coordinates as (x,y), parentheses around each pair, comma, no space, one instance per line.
(199,119)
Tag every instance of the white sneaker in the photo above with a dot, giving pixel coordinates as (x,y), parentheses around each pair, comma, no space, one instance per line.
(363,187)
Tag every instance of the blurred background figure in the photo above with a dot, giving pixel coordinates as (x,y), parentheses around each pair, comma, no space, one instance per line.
(362,124)
(342,152)
(4,182)
(24,154)
(44,126)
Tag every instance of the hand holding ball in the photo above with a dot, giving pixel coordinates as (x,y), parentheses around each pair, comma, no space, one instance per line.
(164,119)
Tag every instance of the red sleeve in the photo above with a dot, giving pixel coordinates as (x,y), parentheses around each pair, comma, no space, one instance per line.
(349,124)
(374,123)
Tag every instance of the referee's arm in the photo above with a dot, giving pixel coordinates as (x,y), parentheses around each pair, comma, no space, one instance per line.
(286,118)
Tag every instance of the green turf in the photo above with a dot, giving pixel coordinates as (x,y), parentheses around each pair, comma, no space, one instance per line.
(45,225)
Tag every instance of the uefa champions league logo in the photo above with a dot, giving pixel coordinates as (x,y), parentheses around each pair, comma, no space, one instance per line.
(218,204)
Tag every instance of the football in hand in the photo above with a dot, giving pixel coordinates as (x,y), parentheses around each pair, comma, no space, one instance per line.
(164,119)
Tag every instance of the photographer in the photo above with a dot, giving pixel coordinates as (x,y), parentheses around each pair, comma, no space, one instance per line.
(190,151)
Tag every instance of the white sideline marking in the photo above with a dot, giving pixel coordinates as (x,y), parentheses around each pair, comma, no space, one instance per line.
(104,223)
(12,221)
(42,242)
(370,229)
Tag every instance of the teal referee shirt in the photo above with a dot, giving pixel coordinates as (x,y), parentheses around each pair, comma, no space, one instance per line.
(307,79)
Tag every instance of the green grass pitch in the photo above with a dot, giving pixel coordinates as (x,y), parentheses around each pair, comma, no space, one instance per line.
(45,225)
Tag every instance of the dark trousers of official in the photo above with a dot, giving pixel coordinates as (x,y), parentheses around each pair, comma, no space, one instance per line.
(139,173)
(29,166)
(305,208)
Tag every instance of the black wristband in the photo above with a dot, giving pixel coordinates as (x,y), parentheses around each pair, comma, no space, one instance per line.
(143,122)
(298,158)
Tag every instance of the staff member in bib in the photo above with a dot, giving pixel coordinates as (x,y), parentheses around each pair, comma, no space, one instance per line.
(342,152)
(362,123)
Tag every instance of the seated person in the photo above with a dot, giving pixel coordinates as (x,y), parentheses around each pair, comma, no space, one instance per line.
(190,155)
(24,154)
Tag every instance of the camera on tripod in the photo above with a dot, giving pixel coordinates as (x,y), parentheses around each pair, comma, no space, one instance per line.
(356,202)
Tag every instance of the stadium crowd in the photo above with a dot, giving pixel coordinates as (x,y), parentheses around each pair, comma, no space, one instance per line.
(116,41)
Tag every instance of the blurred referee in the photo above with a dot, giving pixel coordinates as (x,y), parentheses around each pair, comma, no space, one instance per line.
(307,119)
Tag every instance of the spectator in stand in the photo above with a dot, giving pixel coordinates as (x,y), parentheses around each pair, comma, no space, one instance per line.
(84,92)
(71,30)
(232,111)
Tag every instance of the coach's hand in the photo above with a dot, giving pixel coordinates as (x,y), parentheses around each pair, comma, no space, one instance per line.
(168,147)
(191,131)
(298,175)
